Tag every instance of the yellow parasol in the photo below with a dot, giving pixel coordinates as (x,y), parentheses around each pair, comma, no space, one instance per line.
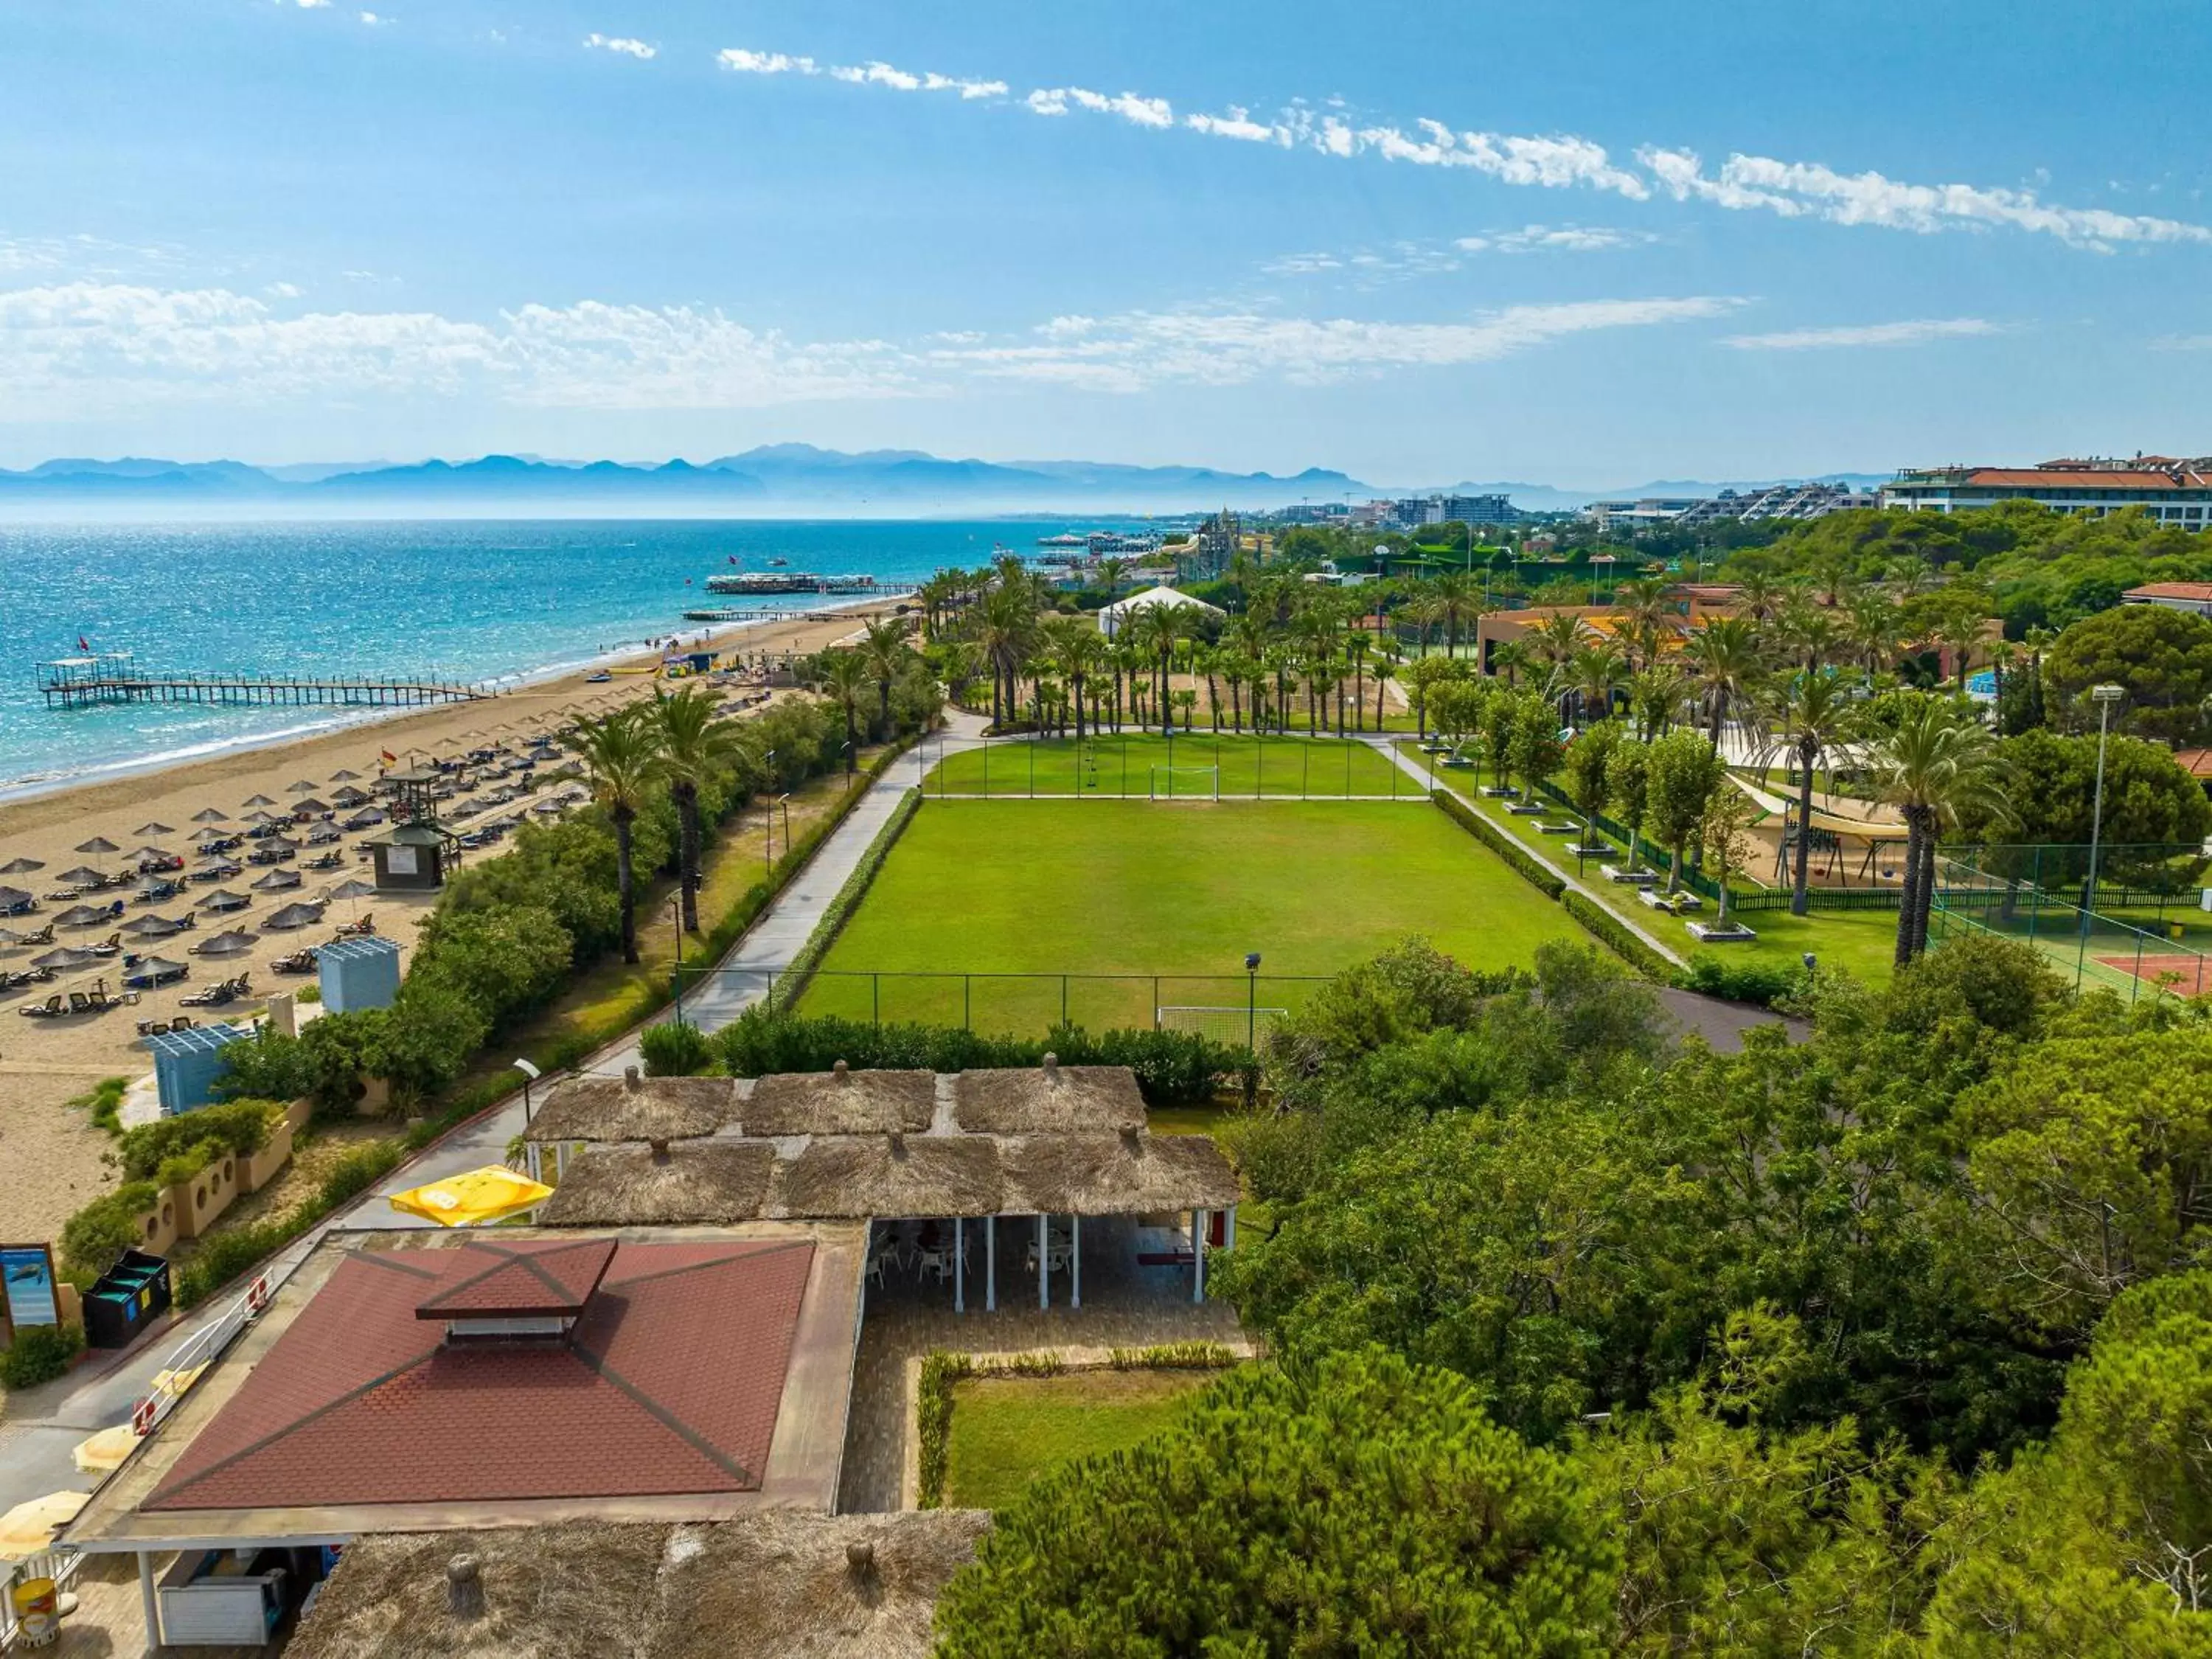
(103,1453)
(28,1529)
(491,1193)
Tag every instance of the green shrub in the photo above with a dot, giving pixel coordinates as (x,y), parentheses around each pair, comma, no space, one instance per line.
(1173,1068)
(238,1127)
(1522,862)
(1765,983)
(358,1170)
(1617,934)
(104,1100)
(671,1050)
(103,1229)
(38,1354)
(941,1370)
(223,1255)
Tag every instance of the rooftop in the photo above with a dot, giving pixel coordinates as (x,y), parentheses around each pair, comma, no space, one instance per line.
(2201,592)
(646,1375)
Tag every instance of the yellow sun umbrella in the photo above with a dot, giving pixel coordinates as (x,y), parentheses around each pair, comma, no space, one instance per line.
(491,1193)
(28,1529)
(103,1453)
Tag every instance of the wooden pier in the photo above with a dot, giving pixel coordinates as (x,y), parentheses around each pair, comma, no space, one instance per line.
(794,613)
(80,683)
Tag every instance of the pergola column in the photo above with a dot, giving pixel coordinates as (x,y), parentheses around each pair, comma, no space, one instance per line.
(1229,1229)
(991,1265)
(1198,1255)
(1045,1269)
(1075,1261)
(959,1265)
(148,1602)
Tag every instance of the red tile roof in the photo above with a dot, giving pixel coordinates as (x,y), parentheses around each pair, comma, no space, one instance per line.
(518,1281)
(669,1383)
(2197,762)
(2200,592)
(2039,478)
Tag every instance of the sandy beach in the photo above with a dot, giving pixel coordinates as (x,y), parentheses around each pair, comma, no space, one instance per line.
(50,1156)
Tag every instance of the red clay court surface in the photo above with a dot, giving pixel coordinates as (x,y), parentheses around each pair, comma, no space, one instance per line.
(2190,970)
(668,1383)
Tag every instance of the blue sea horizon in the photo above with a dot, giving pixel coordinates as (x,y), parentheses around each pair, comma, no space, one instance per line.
(465,601)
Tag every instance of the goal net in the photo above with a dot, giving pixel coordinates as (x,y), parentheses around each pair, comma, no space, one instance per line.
(1219,1023)
(1186,783)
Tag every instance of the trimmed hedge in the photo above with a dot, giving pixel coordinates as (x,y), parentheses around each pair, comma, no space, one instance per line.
(239,1126)
(1617,935)
(1522,862)
(1173,1068)
(1763,984)
(801,973)
(670,1049)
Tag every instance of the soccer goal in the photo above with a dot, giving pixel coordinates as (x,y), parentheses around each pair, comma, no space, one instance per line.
(1223,1023)
(1186,783)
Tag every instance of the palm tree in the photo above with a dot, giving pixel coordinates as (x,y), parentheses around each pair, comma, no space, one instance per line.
(1654,696)
(1005,627)
(1554,640)
(1595,671)
(1873,627)
(1937,766)
(1111,569)
(622,753)
(1385,670)
(694,745)
(1076,648)
(1158,628)
(844,675)
(1722,658)
(1650,614)
(882,647)
(1807,715)
(1457,599)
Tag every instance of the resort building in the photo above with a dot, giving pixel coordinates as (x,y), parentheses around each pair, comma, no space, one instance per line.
(2195,596)
(1792,502)
(2174,492)
(675,1363)
(1113,616)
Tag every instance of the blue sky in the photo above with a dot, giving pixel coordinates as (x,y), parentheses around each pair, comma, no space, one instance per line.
(1584,243)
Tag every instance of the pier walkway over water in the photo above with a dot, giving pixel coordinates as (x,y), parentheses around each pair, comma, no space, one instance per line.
(84,681)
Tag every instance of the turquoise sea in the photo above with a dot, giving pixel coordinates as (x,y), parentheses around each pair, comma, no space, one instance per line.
(476,600)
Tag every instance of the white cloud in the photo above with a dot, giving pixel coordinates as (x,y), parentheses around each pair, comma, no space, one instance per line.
(374,20)
(1569,161)
(765,63)
(281,291)
(1867,334)
(1302,265)
(75,350)
(1143,112)
(1554,239)
(308,5)
(623,44)
(1801,189)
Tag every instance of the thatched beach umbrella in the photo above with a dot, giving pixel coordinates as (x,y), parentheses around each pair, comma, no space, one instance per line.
(223,900)
(65,959)
(154,971)
(150,851)
(21,866)
(310,806)
(277,881)
(100,846)
(840,1102)
(295,916)
(14,897)
(323,834)
(235,943)
(83,916)
(204,836)
(354,889)
(83,876)
(153,926)
(209,815)
(156,828)
(301,786)
(345,774)
(259,800)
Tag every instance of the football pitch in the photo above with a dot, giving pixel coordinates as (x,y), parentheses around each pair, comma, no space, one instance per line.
(1009,915)
(1189,766)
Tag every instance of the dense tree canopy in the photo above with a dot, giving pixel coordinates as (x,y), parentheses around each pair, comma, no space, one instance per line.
(2161,658)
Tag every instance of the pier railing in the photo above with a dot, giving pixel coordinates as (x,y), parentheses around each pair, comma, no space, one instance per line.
(74,685)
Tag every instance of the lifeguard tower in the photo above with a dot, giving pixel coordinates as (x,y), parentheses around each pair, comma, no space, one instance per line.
(413,856)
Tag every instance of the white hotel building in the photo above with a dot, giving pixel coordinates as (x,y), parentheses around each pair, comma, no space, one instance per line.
(2174,492)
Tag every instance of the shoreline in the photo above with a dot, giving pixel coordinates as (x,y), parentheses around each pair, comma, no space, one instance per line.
(35,787)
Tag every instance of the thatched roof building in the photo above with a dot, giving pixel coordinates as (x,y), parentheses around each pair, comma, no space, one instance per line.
(1049,1099)
(633,1108)
(703,1182)
(1126,1174)
(849,1177)
(840,1102)
(780,1583)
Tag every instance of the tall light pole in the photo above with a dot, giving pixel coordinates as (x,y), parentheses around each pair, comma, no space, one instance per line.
(676,909)
(2104,696)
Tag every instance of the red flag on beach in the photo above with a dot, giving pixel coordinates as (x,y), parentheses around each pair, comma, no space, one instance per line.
(84,644)
(390,759)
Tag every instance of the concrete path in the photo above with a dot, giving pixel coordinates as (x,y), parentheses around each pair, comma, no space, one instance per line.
(43,1426)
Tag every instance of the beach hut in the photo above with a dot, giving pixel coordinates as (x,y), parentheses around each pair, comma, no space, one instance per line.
(188,1063)
(358,973)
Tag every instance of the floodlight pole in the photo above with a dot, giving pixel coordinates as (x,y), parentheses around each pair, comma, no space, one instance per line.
(2105,696)
(675,906)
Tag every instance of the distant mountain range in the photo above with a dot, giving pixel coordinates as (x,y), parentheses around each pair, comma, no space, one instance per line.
(772,478)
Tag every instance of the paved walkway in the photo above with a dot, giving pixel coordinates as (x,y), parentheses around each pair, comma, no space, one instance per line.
(45,1424)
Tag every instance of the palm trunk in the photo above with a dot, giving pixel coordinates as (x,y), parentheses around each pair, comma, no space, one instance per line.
(1925,901)
(687,810)
(1801,901)
(625,894)
(1908,902)
(1379,685)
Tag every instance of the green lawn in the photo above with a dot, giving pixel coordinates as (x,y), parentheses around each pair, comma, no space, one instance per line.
(1864,941)
(1126,890)
(1006,1430)
(1138,768)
